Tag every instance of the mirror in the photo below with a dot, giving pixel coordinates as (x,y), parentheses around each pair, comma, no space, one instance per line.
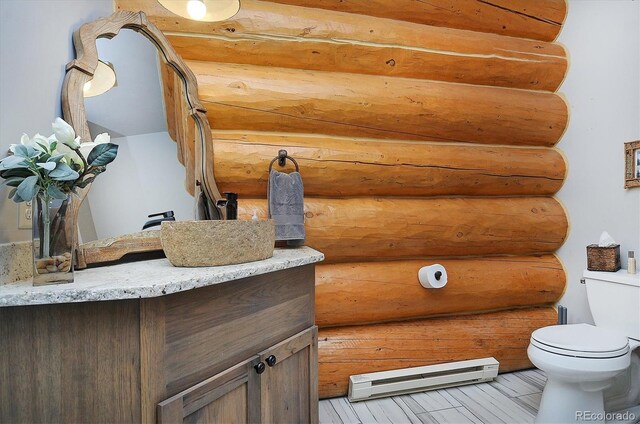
(153,113)
(146,178)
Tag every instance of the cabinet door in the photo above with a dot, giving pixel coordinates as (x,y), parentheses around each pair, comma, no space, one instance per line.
(232,396)
(289,385)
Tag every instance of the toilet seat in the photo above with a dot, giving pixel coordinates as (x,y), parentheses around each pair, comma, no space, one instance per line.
(580,341)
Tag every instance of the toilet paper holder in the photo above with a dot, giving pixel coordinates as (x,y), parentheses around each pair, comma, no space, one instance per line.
(432,276)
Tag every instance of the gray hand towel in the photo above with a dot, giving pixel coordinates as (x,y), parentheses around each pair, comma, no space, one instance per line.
(286,206)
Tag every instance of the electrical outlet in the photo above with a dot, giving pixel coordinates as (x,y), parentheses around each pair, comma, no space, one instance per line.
(24,215)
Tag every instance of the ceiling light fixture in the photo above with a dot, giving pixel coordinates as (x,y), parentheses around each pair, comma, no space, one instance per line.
(196,9)
(104,78)
(203,10)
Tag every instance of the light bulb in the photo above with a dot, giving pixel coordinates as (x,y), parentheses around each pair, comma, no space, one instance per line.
(196,9)
(104,78)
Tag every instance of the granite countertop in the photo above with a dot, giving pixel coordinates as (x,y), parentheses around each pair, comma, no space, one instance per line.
(147,279)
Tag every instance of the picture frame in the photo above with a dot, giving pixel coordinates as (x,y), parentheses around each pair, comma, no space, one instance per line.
(632,164)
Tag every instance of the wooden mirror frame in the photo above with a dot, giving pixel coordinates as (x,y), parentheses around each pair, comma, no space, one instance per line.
(79,71)
(631,178)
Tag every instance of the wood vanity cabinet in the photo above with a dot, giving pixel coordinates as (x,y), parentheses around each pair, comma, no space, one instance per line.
(235,352)
(274,387)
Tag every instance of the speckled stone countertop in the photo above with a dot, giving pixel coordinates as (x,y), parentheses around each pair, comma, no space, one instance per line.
(147,279)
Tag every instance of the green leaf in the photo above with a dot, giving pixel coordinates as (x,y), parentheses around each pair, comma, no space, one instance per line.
(49,166)
(28,188)
(44,148)
(56,193)
(21,150)
(56,158)
(102,154)
(12,162)
(18,199)
(15,172)
(63,173)
(12,192)
(12,182)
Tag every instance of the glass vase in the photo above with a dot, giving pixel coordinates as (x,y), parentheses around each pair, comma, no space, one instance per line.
(54,237)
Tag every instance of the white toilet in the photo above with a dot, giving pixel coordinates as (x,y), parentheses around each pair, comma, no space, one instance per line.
(593,369)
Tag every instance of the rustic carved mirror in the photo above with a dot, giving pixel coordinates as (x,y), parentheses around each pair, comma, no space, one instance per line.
(152,110)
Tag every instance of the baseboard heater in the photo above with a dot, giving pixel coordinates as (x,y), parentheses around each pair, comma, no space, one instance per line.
(418,379)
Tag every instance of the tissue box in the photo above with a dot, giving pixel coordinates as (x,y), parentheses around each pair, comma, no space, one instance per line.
(603,258)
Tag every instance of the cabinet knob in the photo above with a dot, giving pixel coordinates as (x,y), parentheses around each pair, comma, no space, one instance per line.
(271,360)
(260,368)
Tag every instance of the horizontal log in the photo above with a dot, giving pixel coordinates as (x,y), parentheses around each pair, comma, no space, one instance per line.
(345,351)
(334,166)
(527,71)
(365,228)
(296,37)
(290,20)
(367,292)
(537,19)
(258,98)
(259,18)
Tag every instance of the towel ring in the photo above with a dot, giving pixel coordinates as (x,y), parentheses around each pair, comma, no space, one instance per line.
(282,160)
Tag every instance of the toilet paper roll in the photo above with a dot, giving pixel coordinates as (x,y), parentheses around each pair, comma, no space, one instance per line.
(433,276)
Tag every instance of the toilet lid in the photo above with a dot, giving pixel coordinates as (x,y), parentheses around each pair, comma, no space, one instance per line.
(582,340)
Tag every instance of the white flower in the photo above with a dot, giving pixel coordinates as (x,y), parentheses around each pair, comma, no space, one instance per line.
(35,140)
(27,142)
(65,134)
(85,148)
(102,138)
(70,156)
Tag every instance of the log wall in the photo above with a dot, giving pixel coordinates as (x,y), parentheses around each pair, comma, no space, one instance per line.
(349,350)
(537,19)
(370,292)
(425,134)
(181,127)
(259,98)
(338,166)
(367,228)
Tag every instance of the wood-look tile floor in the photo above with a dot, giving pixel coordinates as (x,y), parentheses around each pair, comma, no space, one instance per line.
(511,398)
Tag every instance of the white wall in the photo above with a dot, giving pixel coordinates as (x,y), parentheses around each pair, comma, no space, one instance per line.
(603,92)
(145,178)
(35,46)
(135,105)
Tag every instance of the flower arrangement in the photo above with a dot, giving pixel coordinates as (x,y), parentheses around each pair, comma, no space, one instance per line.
(49,169)
(54,166)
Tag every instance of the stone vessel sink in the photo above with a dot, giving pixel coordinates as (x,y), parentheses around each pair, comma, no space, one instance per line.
(211,243)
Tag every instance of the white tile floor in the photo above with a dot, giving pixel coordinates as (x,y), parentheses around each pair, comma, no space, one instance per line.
(511,398)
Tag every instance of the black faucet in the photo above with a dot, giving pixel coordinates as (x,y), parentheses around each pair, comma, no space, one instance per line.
(231,205)
(166,216)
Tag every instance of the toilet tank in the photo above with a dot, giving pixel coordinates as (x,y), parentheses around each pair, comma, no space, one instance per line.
(614,300)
